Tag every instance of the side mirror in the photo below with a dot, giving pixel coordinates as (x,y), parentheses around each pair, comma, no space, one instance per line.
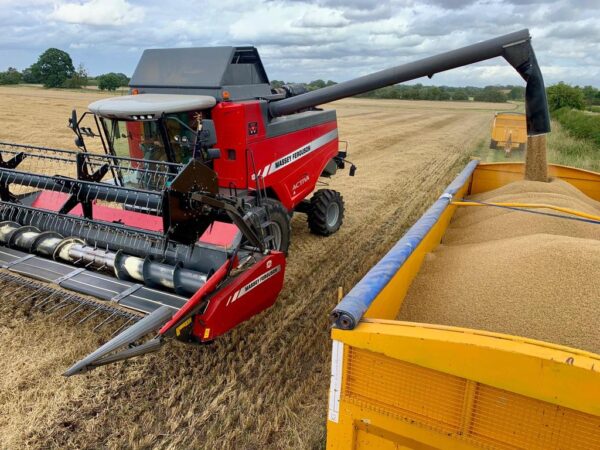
(208,134)
(73,120)
(213,153)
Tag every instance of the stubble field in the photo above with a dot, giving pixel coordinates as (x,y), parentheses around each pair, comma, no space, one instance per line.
(265,384)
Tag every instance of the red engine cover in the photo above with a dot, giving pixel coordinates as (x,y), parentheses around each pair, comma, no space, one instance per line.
(289,165)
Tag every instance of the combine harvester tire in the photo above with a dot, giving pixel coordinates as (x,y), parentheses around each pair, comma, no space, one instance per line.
(280,228)
(326,212)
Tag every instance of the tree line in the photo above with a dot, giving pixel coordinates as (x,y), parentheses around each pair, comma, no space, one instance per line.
(54,69)
(559,95)
(563,95)
(499,94)
(567,105)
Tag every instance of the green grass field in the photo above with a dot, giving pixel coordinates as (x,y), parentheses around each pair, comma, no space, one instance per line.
(563,149)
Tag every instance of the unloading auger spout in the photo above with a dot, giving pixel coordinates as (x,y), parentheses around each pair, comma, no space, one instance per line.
(514,47)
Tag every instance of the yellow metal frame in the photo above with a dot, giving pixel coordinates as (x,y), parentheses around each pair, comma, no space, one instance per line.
(388,302)
(552,373)
(540,372)
(489,176)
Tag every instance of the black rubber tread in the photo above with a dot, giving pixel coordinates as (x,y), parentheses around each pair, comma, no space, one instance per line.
(280,215)
(317,212)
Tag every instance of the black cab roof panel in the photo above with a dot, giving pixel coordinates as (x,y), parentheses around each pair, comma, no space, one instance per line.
(199,68)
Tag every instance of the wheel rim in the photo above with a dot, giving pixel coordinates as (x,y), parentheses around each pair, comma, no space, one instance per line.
(276,234)
(333,214)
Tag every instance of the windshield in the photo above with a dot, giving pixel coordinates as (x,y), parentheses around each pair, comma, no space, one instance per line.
(143,140)
(181,137)
(139,140)
(136,140)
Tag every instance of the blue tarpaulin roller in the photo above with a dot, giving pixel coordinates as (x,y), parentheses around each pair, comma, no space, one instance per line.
(349,311)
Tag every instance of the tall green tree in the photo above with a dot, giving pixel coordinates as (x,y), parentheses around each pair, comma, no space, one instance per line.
(109,82)
(562,95)
(53,68)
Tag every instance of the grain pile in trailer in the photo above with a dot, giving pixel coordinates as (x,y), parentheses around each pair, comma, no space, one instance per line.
(507,270)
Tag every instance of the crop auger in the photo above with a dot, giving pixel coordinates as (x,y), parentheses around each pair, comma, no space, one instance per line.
(182,224)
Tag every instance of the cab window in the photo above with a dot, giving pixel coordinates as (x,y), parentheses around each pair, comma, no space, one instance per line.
(181,138)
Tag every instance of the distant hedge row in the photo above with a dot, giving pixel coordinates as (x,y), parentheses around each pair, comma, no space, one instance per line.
(54,69)
(580,124)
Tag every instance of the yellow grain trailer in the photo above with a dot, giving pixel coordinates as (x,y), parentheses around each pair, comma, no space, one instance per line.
(509,132)
(409,385)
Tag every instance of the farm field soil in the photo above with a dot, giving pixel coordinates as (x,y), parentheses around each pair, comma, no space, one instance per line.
(264,385)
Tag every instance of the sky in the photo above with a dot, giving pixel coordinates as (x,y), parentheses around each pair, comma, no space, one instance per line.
(304,40)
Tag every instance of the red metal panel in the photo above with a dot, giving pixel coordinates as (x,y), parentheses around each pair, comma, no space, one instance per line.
(230,124)
(240,128)
(250,293)
(294,181)
(220,234)
(134,135)
(244,296)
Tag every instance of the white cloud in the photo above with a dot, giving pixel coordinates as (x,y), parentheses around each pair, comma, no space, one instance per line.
(77,45)
(98,12)
(302,40)
(319,18)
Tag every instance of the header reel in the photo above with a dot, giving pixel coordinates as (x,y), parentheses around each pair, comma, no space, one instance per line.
(125,231)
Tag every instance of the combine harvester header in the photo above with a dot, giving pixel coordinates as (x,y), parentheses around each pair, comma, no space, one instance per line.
(182,225)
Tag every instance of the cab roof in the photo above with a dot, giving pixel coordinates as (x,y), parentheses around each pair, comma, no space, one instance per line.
(127,106)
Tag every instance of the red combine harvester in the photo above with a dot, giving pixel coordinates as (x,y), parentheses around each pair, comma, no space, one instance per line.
(183,223)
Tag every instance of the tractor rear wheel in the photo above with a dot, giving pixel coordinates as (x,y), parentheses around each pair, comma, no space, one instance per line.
(326,212)
(279,228)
